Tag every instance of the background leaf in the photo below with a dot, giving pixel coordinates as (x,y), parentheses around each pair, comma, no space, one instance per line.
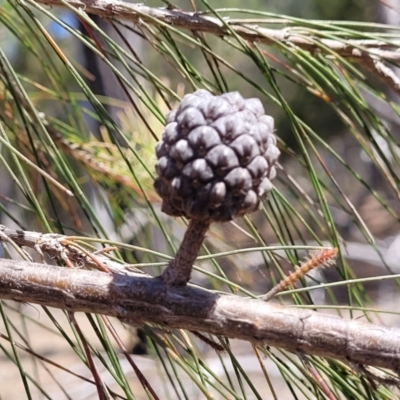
(82,103)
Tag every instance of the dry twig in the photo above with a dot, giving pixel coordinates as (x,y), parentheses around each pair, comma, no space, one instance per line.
(140,298)
(139,13)
(371,53)
(61,247)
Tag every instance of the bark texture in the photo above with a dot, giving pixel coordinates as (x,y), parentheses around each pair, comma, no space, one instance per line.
(371,54)
(180,268)
(143,299)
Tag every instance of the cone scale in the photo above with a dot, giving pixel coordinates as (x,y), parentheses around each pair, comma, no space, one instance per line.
(215,162)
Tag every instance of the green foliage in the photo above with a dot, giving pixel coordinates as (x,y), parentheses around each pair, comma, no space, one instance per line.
(338,181)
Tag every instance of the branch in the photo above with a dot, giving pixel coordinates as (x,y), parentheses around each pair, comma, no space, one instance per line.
(63,248)
(357,49)
(139,298)
(143,299)
(386,74)
(139,13)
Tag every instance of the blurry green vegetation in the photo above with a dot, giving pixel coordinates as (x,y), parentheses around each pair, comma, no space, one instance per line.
(338,181)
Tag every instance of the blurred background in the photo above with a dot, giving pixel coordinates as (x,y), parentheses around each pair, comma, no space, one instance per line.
(84,99)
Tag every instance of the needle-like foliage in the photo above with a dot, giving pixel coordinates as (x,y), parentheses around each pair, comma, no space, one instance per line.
(79,162)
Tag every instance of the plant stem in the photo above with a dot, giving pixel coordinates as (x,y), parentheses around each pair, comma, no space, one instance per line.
(180,268)
(139,299)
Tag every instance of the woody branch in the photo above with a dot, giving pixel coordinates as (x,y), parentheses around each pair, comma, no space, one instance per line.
(140,13)
(140,298)
(368,52)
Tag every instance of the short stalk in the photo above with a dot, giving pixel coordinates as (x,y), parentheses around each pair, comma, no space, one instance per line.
(179,269)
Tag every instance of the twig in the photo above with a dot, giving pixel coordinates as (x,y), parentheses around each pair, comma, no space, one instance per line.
(59,246)
(379,69)
(180,268)
(138,13)
(376,376)
(143,299)
(360,50)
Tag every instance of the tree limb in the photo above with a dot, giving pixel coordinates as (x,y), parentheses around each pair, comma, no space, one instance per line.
(61,247)
(143,299)
(139,13)
(370,52)
(138,298)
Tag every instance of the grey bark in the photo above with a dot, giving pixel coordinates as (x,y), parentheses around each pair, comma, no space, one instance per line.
(142,299)
(139,13)
(139,298)
(369,53)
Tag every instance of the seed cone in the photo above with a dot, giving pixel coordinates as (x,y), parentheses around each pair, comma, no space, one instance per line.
(216,158)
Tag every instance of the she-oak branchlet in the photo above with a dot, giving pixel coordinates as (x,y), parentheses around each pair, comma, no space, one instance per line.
(216,160)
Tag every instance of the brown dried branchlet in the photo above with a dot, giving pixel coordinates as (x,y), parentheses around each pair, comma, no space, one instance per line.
(216,159)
